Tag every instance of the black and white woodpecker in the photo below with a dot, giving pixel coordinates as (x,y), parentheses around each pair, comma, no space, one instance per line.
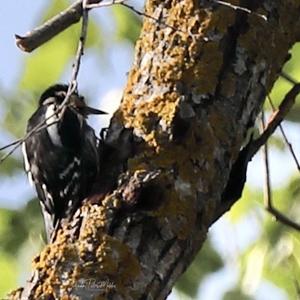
(61,159)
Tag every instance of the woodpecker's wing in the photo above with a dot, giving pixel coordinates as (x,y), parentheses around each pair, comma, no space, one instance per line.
(45,198)
(36,150)
(89,159)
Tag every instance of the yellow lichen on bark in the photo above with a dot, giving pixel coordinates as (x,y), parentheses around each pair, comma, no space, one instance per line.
(113,260)
(167,57)
(173,54)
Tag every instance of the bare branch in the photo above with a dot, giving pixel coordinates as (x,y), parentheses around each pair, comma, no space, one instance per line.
(18,142)
(268,191)
(275,119)
(238,171)
(288,77)
(285,138)
(80,51)
(51,28)
(149,16)
(10,145)
(244,9)
(103,3)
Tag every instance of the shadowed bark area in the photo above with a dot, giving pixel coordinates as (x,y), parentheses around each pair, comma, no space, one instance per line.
(195,88)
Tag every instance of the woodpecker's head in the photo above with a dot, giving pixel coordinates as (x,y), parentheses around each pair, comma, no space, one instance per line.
(55,95)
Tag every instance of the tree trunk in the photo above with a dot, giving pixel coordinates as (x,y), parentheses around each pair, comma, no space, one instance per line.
(199,79)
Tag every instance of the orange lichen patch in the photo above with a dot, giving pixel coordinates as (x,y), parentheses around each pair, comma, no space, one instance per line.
(163,107)
(206,58)
(185,56)
(191,163)
(54,255)
(110,259)
(157,103)
(147,115)
(98,215)
(114,261)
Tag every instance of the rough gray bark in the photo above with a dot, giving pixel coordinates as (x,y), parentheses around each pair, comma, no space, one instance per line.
(191,96)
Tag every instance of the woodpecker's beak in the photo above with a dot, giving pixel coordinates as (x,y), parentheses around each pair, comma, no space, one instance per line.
(93,111)
(79,104)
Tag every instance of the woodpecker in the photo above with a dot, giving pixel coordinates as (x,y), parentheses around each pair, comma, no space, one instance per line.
(61,159)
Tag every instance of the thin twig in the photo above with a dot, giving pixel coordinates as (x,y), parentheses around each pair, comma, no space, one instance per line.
(268,191)
(80,51)
(143,14)
(51,28)
(103,4)
(275,119)
(244,9)
(6,155)
(10,145)
(285,138)
(265,149)
(18,142)
(149,17)
(288,78)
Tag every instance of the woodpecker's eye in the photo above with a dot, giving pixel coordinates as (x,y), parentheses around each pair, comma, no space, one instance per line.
(61,94)
(49,101)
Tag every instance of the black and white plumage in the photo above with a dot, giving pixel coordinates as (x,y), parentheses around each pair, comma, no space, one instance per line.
(61,160)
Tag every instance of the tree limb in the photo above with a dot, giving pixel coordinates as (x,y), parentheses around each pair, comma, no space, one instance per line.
(51,28)
(268,202)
